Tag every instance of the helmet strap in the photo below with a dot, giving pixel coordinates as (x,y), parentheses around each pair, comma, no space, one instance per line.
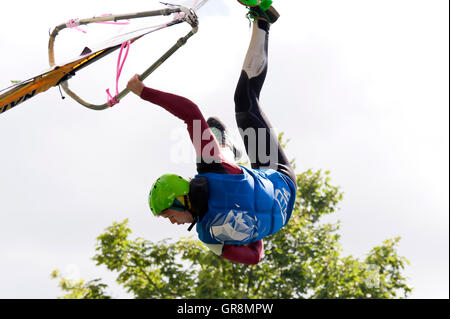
(185,206)
(187,203)
(192,225)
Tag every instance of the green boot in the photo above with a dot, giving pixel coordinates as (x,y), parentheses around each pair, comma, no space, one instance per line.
(250,3)
(264,11)
(265,5)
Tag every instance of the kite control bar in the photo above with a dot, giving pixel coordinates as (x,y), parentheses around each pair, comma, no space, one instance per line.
(185,15)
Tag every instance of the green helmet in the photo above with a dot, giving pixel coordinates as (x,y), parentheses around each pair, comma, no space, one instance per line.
(165,190)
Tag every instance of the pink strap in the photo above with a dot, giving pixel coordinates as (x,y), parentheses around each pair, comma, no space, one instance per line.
(74,24)
(112,99)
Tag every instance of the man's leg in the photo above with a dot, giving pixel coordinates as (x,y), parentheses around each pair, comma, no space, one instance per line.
(260,140)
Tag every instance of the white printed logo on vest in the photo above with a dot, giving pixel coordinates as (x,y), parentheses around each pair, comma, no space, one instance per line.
(282,198)
(234,226)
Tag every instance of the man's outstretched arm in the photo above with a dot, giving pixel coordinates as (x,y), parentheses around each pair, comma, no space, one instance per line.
(206,146)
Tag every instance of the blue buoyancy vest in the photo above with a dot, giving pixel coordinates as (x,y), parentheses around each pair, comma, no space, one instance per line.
(247,207)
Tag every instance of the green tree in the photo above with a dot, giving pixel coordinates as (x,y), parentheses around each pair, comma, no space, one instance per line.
(303,260)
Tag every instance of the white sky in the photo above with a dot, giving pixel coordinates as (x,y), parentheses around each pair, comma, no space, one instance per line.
(361,88)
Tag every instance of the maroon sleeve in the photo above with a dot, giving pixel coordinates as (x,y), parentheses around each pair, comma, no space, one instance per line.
(206,146)
(249,254)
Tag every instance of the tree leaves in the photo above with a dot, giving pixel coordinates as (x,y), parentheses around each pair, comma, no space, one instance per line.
(303,260)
